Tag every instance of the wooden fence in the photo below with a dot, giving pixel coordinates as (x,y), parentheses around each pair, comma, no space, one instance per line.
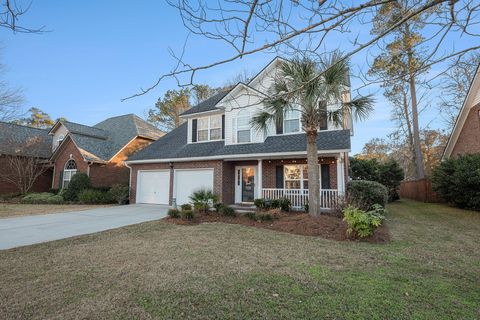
(419,190)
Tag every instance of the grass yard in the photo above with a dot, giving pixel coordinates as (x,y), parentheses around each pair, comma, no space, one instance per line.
(8,210)
(430,270)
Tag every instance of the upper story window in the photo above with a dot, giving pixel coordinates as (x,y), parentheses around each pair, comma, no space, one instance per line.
(243,128)
(58,141)
(207,128)
(291,121)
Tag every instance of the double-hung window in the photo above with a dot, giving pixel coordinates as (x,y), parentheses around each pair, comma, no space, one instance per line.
(69,171)
(243,129)
(291,121)
(296,176)
(209,128)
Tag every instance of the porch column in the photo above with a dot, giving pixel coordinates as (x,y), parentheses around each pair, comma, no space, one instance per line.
(259,179)
(340,174)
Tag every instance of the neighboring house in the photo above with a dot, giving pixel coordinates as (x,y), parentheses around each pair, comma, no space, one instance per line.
(465,136)
(217,148)
(99,150)
(22,141)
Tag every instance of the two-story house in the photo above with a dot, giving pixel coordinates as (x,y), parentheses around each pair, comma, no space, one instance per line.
(217,148)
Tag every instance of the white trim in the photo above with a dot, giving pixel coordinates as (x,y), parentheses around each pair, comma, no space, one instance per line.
(238,179)
(123,148)
(243,86)
(203,113)
(267,67)
(463,115)
(252,156)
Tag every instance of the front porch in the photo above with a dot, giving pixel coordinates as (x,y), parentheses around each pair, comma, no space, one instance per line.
(273,179)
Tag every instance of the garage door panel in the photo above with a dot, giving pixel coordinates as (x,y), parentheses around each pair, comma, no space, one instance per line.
(188,181)
(153,187)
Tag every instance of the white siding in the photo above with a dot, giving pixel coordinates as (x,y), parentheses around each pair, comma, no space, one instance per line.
(61,130)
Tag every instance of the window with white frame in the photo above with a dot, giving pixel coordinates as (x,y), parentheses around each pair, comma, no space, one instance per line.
(291,121)
(243,128)
(209,128)
(296,176)
(68,172)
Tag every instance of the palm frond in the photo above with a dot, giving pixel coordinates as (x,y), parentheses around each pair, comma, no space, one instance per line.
(360,107)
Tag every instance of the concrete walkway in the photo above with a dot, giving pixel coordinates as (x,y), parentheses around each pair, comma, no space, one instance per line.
(27,230)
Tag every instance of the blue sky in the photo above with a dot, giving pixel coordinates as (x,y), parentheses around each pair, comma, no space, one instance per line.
(98,52)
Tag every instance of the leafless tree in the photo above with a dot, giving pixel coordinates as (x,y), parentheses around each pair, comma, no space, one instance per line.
(11,100)
(249,27)
(23,163)
(10,13)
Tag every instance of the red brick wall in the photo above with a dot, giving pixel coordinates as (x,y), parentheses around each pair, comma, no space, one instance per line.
(469,139)
(269,170)
(115,171)
(42,184)
(217,166)
(63,156)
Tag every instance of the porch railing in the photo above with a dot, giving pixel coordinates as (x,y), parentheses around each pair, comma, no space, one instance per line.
(298,198)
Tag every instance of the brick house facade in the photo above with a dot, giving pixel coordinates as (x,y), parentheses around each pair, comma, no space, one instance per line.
(465,136)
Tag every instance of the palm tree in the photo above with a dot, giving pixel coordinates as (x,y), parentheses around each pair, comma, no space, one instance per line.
(308,87)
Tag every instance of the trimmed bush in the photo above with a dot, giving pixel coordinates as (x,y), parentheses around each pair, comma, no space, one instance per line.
(457,181)
(80,181)
(251,215)
(173,213)
(361,223)
(186,206)
(364,194)
(42,198)
(259,203)
(94,196)
(228,211)
(187,215)
(119,193)
(387,173)
(218,206)
(284,204)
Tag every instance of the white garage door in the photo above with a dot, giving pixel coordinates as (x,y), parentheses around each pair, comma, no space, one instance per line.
(187,181)
(153,187)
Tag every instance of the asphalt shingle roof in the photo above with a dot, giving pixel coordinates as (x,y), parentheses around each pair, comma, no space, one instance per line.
(73,127)
(110,136)
(26,141)
(174,145)
(207,105)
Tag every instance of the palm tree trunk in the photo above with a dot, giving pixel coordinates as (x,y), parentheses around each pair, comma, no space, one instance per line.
(313,174)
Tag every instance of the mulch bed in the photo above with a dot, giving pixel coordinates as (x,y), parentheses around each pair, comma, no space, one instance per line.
(325,226)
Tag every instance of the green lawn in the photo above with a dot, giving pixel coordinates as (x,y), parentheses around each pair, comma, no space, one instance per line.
(430,270)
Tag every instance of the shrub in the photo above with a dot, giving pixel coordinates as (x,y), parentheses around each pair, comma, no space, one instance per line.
(361,223)
(187,215)
(306,207)
(202,199)
(186,206)
(264,217)
(80,181)
(119,193)
(228,211)
(259,203)
(251,215)
(218,206)
(42,198)
(457,181)
(364,194)
(275,203)
(94,196)
(284,204)
(387,173)
(173,213)
(54,191)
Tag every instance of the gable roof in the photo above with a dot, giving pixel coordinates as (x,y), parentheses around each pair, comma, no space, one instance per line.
(471,100)
(206,105)
(99,143)
(26,141)
(174,146)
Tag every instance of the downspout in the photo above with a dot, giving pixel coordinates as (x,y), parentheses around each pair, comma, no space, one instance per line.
(129,181)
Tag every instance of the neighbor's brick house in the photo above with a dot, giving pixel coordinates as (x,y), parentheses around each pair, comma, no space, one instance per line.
(465,136)
(14,141)
(99,151)
(217,148)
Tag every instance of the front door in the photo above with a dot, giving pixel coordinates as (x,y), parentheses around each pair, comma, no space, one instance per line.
(245,184)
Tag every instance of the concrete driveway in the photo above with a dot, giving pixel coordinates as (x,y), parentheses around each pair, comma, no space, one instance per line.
(27,230)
